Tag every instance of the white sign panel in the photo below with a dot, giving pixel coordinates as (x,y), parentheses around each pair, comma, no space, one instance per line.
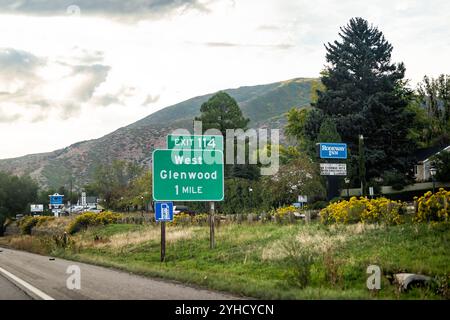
(37,208)
(371,191)
(333,169)
(303,199)
(83,198)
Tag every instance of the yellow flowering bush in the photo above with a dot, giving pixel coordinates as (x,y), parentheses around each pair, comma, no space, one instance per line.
(29,222)
(87,219)
(181,219)
(282,212)
(433,207)
(201,219)
(185,219)
(380,210)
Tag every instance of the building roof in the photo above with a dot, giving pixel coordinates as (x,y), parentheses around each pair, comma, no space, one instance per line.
(425,153)
(91,199)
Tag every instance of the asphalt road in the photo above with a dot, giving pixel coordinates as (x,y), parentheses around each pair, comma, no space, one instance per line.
(9,291)
(40,277)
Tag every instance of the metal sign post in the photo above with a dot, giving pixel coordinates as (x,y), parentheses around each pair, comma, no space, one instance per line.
(211,225)
(163,241)
(163,213)
(371,192)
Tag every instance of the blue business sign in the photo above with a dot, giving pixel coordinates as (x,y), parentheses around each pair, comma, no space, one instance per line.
(56,199)
(164,211)
(333,150)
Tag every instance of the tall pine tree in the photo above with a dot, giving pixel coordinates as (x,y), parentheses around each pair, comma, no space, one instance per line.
(222,112)
(366,94)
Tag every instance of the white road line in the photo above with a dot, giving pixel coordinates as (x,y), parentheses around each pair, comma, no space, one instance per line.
(26,285)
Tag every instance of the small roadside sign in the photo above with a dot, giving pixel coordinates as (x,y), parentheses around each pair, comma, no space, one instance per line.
(333,169)
(164,211)
(371,191)
(198,142)
(56,199)
(303,198)
(37,208)
(333,150)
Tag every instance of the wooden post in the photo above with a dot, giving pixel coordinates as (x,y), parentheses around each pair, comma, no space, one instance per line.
(307,216)
(445,207)
(163,241)
(211,225)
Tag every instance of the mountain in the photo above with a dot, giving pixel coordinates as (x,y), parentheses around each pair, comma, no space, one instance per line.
(265,105)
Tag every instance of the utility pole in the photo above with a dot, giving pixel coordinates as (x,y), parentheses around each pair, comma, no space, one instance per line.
(362,165)
(70,206)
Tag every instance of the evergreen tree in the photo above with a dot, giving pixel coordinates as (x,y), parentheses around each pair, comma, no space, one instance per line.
(367,95)
(328,131)
(434,97)
(222,112)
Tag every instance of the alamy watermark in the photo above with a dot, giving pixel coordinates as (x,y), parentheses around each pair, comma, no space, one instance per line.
(374,280)
(73,10)
(252,146)
(73,282)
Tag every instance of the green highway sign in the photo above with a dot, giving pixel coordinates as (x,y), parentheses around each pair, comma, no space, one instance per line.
(208,142)
(188,175)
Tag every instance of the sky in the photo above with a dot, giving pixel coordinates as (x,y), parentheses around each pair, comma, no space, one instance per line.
(73,70)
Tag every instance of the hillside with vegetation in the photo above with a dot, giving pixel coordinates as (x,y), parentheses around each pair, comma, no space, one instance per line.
(265,105)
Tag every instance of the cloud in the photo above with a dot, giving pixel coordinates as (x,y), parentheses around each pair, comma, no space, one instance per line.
(36,88)
(8,118)
(281,46)
(138,8)
(151,99)
(17,69)
(267,27)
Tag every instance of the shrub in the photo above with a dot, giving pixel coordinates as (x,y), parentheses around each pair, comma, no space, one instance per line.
(27,224)
(318,205)
(201,219)
(433,207)
(88,219)
(380,210)
(300,258)
(2,224)
(283,213)
(181,219)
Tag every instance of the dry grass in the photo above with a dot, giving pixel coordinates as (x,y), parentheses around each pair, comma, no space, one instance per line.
(26,243)
(150,233)
(50,227)
(317,240)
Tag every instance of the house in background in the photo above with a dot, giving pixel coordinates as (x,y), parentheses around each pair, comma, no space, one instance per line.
(424,162)
(92,201)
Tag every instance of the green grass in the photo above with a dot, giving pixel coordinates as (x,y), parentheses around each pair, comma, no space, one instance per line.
(250,259)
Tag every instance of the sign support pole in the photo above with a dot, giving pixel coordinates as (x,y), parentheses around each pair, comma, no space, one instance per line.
(211,225)
(163,241)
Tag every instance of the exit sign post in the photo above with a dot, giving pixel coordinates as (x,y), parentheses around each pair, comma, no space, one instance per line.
(195,142)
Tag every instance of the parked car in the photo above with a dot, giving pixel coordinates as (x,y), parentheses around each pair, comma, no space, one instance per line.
(179,209)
